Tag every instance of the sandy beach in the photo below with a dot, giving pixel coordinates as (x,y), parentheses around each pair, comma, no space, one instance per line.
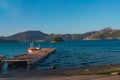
(101,72)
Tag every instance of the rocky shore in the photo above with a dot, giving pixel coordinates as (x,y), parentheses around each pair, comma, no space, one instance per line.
(93,71)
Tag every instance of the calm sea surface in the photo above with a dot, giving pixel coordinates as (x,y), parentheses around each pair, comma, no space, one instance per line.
(70,54)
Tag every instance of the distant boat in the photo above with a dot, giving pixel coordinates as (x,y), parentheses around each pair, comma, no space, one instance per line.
(32,49)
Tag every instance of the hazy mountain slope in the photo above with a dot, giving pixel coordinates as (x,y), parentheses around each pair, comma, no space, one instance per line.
(107,33)
(27,36)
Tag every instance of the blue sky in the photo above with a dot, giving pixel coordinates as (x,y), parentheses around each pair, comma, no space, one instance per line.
(58,16)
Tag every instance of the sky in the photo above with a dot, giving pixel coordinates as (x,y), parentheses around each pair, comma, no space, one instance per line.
(58,16)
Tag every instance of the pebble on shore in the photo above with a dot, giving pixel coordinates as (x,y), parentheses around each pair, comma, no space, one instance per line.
(115,73)
(53,67)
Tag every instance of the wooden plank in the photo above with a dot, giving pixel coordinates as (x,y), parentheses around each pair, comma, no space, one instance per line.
(12,60)
(31,58)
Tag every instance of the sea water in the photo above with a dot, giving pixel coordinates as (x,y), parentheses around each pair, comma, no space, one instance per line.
(70,53)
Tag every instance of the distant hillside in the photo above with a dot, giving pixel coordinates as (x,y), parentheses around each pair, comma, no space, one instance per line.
(4,41)
(27,36)
(107,33)
(70,37)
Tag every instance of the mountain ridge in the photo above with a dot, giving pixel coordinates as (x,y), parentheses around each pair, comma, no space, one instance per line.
(31,35)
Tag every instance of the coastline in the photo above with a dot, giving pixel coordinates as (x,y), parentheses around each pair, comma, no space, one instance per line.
(87,71)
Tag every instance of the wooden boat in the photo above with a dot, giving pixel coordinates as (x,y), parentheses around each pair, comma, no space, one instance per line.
(32,49)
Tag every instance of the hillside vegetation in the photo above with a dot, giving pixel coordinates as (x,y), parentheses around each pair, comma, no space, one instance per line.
(104,34)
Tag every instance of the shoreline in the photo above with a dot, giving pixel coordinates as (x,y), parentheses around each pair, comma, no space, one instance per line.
(106,69)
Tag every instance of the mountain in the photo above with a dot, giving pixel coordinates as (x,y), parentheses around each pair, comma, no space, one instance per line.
(40,36)
(106,33)
(69,37)
(27,36)
(3,40)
